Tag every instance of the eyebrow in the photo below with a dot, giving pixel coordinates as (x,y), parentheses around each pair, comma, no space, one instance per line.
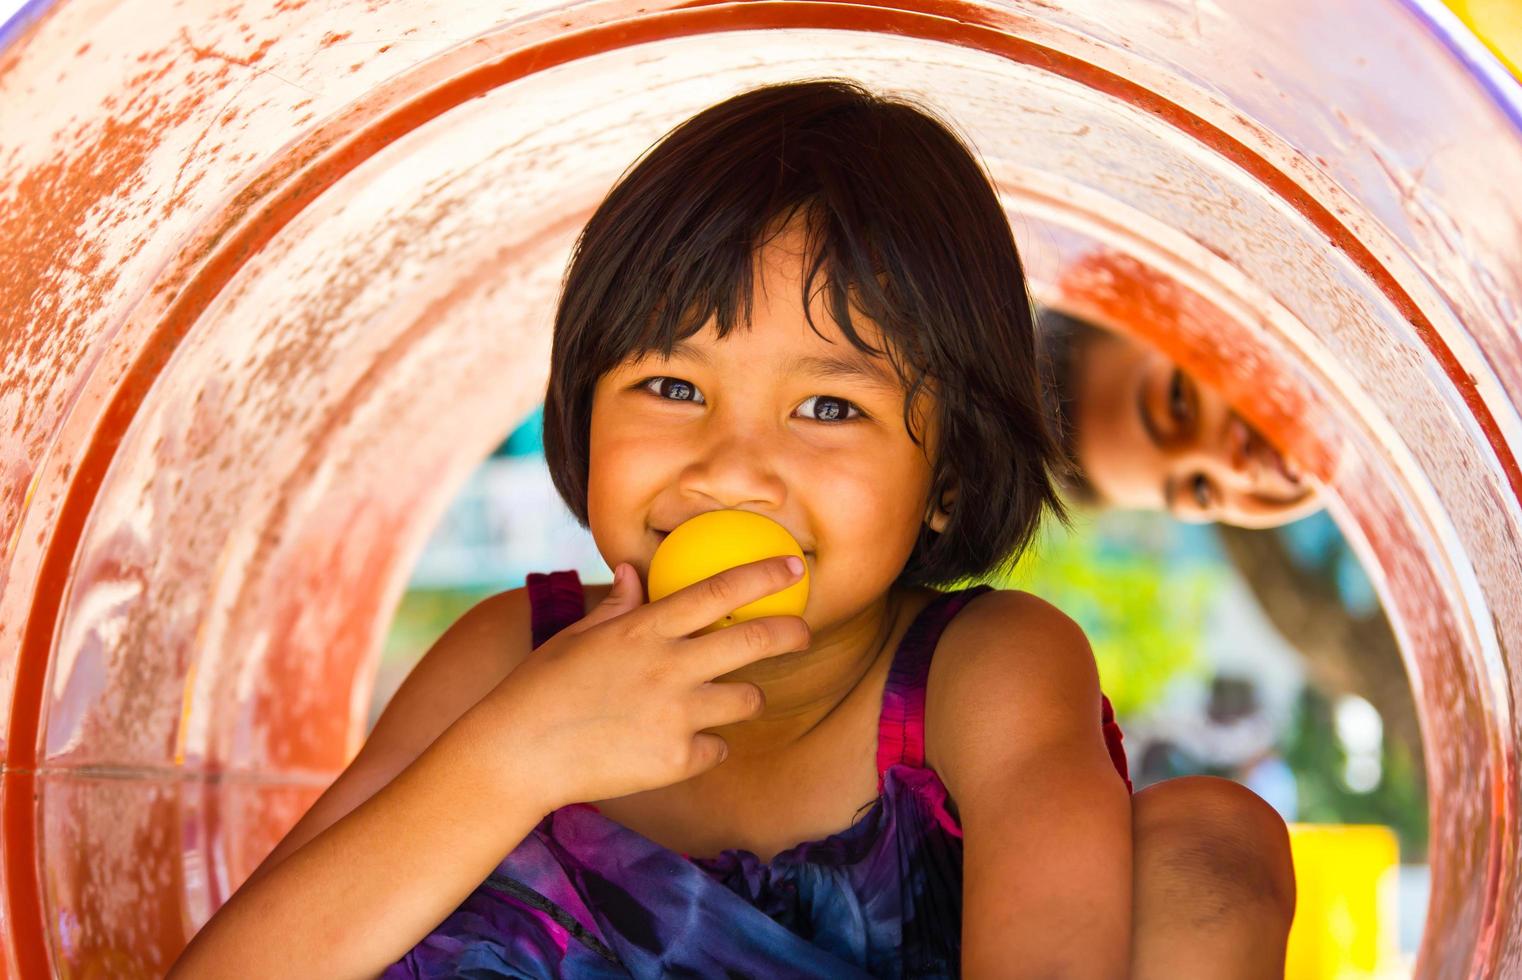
(868,371)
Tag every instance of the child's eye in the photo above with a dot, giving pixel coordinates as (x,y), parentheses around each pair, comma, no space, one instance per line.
(680,391)
(830,409)
(1201,490)
(1178,401)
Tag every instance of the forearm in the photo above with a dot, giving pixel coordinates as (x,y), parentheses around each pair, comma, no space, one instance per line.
(1062,907)
(363,892)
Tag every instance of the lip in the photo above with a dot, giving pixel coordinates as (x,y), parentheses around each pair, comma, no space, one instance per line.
(1269,458)
(1279,464)
(1273,475)
(1250,446)
(1241,442)
(660,535)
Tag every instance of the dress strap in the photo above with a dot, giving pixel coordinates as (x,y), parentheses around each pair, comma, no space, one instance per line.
(901,726)
(1114,740)
(555,602)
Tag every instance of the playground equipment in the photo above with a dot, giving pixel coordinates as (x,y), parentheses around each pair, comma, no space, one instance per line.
(275,278)
(1345,902)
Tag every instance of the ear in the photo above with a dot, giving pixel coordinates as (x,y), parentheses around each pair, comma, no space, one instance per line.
(939,517)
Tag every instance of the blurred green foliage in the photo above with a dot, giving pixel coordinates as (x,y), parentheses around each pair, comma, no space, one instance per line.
(1146,628)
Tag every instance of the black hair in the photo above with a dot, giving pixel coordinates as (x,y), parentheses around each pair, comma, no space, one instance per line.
(1063,340)
(904,226)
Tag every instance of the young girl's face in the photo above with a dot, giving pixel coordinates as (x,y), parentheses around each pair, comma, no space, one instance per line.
(774,420)
(1149,436)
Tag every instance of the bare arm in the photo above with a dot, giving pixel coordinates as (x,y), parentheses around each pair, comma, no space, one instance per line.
(1046,819)
(410,808)
(472,657)
(364,891)
(616,703)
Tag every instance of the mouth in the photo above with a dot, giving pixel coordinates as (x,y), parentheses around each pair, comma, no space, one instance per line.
(661,536)
(1267,457)
(1272,457)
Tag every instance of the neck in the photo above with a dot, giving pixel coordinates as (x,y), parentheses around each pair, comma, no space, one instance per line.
(805,687)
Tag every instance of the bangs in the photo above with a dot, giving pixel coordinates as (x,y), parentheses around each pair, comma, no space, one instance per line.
(726,299)
(901,228)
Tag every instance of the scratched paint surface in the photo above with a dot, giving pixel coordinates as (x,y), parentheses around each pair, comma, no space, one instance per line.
(274,277)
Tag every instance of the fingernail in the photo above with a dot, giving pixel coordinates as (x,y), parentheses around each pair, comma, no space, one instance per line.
(795,564)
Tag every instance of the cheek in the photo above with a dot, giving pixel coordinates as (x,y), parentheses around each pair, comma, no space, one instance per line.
(618,461)
(616,457)
(869,497)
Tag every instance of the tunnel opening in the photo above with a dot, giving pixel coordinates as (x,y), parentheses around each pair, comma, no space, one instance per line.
(281,285)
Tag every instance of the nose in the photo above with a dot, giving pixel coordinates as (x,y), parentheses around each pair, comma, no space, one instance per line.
(734,467)
(1222,458)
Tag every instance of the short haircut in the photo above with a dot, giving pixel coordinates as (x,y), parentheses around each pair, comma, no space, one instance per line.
(1064,339)
(903,224)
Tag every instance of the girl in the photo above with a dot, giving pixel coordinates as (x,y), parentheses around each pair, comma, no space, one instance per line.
(804,302)
(1145,434)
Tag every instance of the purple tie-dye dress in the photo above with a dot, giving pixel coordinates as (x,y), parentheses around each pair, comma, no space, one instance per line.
(583,896)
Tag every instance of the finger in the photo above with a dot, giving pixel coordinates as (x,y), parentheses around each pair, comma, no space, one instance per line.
(719,703)
(701,604)
(716,654)
(627,593)
(708,750)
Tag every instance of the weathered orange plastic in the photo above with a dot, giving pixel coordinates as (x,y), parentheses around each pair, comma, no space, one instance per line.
(273,278)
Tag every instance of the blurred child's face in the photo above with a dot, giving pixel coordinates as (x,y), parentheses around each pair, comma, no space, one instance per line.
(775,420)
(1150,437)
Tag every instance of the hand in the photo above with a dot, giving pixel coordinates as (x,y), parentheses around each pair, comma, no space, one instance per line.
(616,703)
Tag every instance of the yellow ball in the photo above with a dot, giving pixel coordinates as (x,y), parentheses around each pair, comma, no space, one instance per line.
(709,543)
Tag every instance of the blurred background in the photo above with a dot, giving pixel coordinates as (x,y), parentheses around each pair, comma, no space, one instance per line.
(1260,656)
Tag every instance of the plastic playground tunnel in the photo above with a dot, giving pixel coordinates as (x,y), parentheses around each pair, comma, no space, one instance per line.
(272,285)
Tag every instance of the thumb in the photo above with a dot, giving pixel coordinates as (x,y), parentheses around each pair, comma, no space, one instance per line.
(626,594)
(626,585)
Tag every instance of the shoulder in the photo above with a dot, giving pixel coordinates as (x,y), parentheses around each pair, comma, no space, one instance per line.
(1011,673)
(1046,824)
(512,613)
(498,630)
(492,636)
(481,647)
